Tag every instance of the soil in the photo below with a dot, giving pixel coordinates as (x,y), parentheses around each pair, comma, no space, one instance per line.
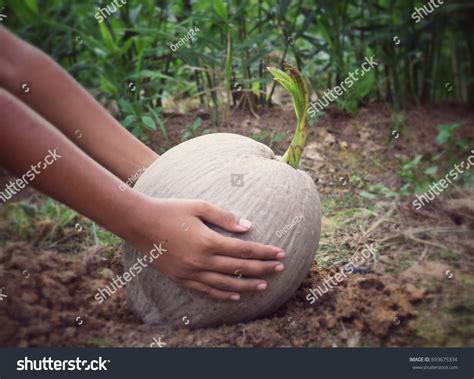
(417,292)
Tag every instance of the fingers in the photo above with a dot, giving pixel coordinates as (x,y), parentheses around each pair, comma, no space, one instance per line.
(233,247)
(223,287)
(228,283)
(220,217)
(244,267)
(210,291)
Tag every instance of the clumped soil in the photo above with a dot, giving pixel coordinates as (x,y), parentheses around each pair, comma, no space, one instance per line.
(50,303)
(418,291)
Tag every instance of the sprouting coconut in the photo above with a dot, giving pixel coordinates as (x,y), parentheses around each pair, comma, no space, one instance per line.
(281,201)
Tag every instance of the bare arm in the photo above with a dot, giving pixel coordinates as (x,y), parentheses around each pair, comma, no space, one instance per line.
(74,179)
(69,107)
(200,259)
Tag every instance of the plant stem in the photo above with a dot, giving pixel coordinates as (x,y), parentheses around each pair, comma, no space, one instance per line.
(292,156)
(294,83)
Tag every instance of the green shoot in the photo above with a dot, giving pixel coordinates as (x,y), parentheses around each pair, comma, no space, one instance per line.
(294,83)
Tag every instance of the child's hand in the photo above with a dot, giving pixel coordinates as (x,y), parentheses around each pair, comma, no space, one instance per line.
(86,178)
(198,257)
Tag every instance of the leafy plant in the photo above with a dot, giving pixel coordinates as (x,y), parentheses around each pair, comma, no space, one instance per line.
(238,39)
(446,136)
(294,83)
(351,99)
(192,129)
(413,176)
(377,190)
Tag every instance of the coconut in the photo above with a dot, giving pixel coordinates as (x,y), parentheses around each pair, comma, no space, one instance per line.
(239,174)
(242,175)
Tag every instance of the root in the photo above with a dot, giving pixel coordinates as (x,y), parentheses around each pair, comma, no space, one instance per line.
(379,222)
(410,235)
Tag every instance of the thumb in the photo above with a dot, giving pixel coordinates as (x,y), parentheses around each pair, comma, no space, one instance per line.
(227,220)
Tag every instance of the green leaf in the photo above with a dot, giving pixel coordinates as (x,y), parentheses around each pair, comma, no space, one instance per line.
(364,85)
(347,105)
(107,37)
(158,119)
(228,61)
(367,195)
(32,5)
(126,46)
(431,171)
(107,86)
(185,136)
(152,75)
(125,106)
(445,132)
(128,120)
(137,130)
(294,83)
(196,124)
(253,59)
(463,144)
(220,9)
(149,123)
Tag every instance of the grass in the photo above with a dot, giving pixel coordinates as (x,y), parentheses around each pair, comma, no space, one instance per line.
(453,325)
(52,224)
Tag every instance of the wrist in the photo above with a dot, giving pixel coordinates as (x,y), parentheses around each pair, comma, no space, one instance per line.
(127,223)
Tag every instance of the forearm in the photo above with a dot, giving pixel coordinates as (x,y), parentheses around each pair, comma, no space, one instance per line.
(64,103)
(74,178)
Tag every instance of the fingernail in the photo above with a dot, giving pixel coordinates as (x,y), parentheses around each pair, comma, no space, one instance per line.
(235,297)
(245,223)
(279,267)
(280,255)
(261,286)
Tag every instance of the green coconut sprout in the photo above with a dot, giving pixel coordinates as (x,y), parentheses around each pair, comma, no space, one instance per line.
(294,83)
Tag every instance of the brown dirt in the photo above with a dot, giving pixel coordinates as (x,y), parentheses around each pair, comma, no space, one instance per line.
(51,294)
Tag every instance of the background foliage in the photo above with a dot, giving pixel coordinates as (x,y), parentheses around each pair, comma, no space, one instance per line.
(224,66)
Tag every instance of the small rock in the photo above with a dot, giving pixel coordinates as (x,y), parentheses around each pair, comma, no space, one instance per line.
(329,140)
(247,123)
(67,276)
(414,293)
(311,152)
(107,273)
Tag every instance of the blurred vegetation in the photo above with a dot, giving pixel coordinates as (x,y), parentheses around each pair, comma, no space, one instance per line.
(128,58)
(51,224)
